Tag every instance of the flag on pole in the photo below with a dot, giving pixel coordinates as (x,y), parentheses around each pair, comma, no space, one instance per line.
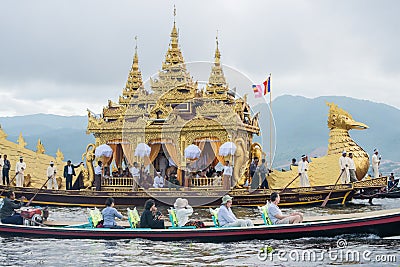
(257,90)
(267,85)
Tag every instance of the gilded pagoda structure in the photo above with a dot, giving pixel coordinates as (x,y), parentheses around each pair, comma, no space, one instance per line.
(173,113)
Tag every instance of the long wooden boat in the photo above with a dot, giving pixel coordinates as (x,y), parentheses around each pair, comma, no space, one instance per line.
(241,197)
(382,224)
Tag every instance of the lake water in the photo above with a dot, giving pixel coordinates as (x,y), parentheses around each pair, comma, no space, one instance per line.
(368,250)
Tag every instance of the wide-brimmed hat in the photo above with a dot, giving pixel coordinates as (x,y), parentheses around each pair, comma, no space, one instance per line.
(226,198)
(180,203)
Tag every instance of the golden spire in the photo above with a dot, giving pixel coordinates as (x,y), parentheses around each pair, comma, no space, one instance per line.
(134,84)
(216,85)
(174,54)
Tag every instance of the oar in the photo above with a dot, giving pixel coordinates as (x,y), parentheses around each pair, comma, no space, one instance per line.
(12,180)
(289,183)
(30,200)
(327,197)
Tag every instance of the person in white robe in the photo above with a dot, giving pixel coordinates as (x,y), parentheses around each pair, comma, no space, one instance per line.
(19,169)
(51,176)
(375,163)
(302,169)
(1,169)
(352,168)
(158,181)
(135,172)
(344,168)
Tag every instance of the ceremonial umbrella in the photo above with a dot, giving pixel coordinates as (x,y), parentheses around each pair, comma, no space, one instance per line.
(227,148)
(103,151)
(192,152)
(142,150)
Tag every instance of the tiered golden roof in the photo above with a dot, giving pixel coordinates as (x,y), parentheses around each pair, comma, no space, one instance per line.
(174,110)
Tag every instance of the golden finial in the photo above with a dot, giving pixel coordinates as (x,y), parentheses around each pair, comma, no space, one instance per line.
(217,53)
(135,43)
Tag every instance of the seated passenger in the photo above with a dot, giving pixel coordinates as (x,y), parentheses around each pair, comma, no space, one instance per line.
(173,182)
(109,213)
(150,219)
(7,213)
(226,218)
(183,211)
(158,180)
(392,184)
(275,214)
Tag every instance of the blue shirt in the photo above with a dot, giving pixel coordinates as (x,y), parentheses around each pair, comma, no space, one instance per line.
(225,216)
(109,215)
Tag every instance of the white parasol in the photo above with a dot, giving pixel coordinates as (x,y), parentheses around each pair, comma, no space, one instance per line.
(103,151)
(227,148)
(142,150)
(192,152)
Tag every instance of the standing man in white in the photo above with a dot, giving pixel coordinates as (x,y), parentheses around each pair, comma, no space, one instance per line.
(135,171)
(227,178)
(344,168)
(51,176)
(352,168)
(375,163)
(303,168)
(1,169)
(19,169)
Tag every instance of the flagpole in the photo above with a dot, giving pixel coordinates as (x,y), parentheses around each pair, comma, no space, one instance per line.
(270,123)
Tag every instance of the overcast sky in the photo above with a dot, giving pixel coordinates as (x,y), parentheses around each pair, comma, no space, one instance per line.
(62,57)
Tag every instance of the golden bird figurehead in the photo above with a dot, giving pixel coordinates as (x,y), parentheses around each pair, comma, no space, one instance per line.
(341,119)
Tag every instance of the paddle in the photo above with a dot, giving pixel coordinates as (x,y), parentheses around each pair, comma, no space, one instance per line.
(30,200)
(327,197)
(12,180)
(289,183)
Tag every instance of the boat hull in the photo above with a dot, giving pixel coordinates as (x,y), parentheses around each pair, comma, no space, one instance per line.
(241,197)
(383,226)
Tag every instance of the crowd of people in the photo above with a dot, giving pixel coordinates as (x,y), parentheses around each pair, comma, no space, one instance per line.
(152,218)
(166,177)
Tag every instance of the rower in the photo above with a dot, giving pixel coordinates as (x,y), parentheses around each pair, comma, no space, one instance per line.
(7,212)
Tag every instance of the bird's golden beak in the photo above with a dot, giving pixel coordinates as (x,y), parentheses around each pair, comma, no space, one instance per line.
(358,125)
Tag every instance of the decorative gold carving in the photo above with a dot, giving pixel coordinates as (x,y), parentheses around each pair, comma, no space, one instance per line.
(3,135)
(40,148)
(89,156)
(325,170)
(372,182)
(59,156)
(21,141)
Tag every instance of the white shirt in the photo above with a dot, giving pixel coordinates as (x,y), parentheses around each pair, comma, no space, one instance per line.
(343,162)
(135,171)
(20,167)
(98,169)
(1,163)
(69,169)
(228,170)
(350,163)
(182,215)
(375,160)
(303,166)
(51,171)
(158,182)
